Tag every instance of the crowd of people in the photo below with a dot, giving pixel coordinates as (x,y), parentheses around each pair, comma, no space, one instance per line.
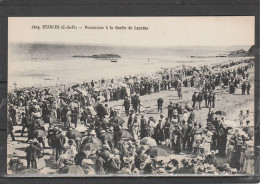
(98,140)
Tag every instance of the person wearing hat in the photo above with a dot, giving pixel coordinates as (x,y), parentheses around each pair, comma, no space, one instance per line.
(100,163)
(87,166)
(242,118)
(158,132)
(160,105)
(136,103)
(197,139)
(146,164)
(117,157)
(78,143)
(237,153)
(177,140)
(127,105)
(151,126)
(80,156)
(93,133)
(207,142)
(210,115)
(143,127)
(211,158)
(72,151)
(191,117)
(222,141)
(32,154)
(194,99)
(199,99)
(59,142)
(170,111)
(130,121)
(206,96)
(111,165)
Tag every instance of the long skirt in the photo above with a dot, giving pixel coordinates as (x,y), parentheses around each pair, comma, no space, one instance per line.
(206,148)
(40,163)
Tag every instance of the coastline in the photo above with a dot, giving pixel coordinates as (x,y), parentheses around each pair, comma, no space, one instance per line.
(58,82)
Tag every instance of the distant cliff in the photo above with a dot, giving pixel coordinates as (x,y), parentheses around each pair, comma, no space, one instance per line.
(243,53)
(100,56)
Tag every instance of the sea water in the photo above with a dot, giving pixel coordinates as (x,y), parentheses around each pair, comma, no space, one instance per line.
(75,70)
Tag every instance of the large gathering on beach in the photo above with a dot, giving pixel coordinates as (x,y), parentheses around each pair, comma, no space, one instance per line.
(185,120)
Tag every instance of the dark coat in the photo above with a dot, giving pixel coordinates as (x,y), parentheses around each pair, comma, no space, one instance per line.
(32,152)
(59,140)
(160,102)
(194,98)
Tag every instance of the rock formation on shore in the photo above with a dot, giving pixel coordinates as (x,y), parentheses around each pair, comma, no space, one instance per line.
(100,56)
(243,53)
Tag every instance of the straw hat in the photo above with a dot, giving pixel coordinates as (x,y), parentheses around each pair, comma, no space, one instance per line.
(35,140)
(102,131)
(116,151)
(104,146)
(201,146)
(111,156)
(209,133)
(30,141)
(250,143)
(92,132)
(87,161)
(198,132)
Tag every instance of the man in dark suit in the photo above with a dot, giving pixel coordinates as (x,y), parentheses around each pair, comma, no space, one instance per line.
(144,127)
(248,88)
(59,143)
(160,104)
(127,105)
(194,99)
(191,117)
(244,87)
(32,153)
(25,123)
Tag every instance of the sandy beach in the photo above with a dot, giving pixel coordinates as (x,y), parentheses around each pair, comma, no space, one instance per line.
(230,103)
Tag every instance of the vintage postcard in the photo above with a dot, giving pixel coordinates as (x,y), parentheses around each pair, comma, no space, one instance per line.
(131,96)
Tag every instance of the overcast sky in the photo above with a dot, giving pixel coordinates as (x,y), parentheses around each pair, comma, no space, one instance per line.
(162,31)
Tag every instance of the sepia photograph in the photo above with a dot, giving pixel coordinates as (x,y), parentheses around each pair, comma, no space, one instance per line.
(131,96)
